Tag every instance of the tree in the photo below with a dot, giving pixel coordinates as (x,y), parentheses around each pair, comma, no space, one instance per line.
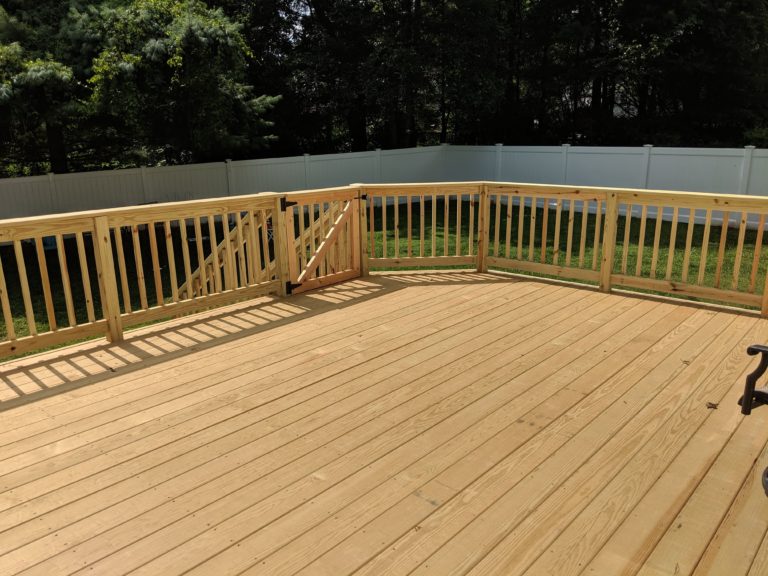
(37,92)
(171,72)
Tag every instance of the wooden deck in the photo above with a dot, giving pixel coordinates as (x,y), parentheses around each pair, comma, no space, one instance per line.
(414,424)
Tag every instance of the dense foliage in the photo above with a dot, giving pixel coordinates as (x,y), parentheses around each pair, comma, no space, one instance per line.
(110,83)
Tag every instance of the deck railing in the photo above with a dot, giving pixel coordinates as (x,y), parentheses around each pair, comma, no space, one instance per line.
(73,276)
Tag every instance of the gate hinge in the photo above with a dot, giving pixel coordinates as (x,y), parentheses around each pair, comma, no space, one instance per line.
(364,197)
(290,287)
(284,204)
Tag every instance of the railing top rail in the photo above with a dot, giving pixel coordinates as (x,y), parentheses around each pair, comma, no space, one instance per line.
(419,189)
(648,196)
(337,193)
(17,228)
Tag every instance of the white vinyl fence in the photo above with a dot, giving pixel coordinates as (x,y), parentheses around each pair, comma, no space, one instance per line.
(726,171)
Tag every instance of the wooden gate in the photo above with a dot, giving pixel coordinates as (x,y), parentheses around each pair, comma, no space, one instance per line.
(323,232)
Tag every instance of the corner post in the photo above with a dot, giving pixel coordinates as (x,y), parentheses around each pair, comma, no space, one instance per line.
(609,240)
(362,230)
(105,266)
(482,229)
(282,252)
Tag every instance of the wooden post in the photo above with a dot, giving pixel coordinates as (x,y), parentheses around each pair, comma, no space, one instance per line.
(105,266)
(283,250)
(609,240)
(356,244)
(290,235)
(483,215)
(364,245)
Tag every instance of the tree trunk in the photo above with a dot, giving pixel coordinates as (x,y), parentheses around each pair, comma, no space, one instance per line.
(57,151)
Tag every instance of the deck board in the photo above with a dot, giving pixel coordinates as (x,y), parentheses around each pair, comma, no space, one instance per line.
(454,423)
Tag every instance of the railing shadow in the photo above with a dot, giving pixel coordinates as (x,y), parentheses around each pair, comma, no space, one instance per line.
(33,378)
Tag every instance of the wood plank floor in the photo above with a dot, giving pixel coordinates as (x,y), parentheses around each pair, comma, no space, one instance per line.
(445,424)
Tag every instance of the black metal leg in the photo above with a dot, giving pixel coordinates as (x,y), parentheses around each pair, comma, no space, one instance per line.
(752,396)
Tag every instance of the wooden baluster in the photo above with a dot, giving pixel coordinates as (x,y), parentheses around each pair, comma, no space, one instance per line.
(672,241)
(45,279)
(372,226)
(496,222)
(171,260)
(85,277)
(532,229)
(290,251)
(21,267)
(361,236)
(302,239)
(5,304)
(641,241)
(139,266)
(756,257)
(312,224)
(241,266)
(446,223)
(598,228)
(396,209)
(185,254)
(609,240)
(409,199)
(66,285)
(201,259)
(254,254)
(721,248)
(156,264)
(383,227)
(216,264)
(627,230)
(705,246)
(508,235)
(483,229)
(520,226)
(421,225)
(569,239)
(688,243)
(459,250)
(123,269)
(739,251)
(230,276)
(583,239)
(544,231)
(656,240)
(434,225)
(339,244)
(265,244)
(556,241)
(471,227)
(256,263)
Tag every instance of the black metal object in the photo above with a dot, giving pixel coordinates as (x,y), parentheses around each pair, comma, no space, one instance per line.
(284,204)
(752,396)
(765,481)
(289,287)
